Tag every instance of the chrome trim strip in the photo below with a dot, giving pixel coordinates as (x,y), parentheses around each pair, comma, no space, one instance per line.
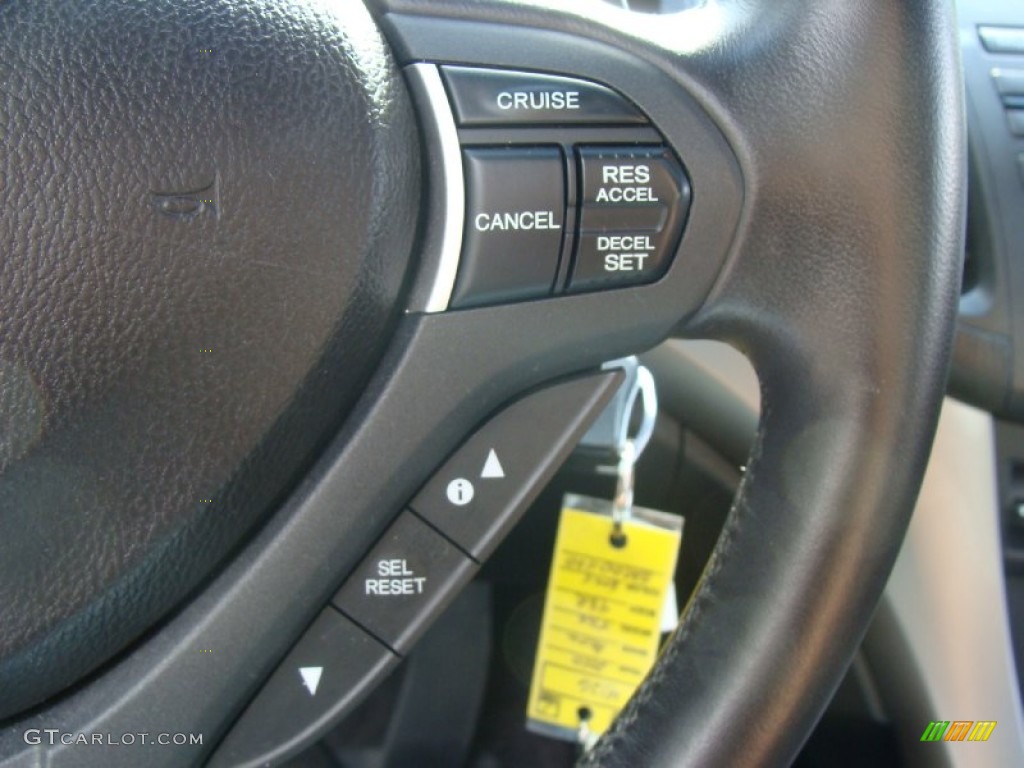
(454,188)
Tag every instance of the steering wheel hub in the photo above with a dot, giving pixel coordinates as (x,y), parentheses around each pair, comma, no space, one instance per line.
(206,222)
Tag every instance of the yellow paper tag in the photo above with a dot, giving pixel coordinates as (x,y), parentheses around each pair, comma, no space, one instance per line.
(602,615)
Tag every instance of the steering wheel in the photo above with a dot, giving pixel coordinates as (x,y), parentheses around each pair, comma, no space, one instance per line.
(231,351)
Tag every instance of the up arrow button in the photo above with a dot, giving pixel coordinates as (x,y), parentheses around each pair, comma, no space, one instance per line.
(508,461)
(492,467)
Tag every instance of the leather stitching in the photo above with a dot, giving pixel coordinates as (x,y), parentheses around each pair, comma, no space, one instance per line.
(614,738)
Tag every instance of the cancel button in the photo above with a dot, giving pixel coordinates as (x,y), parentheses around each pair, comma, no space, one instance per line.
(515,222)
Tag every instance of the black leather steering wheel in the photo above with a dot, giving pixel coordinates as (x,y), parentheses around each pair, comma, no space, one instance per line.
(217,386)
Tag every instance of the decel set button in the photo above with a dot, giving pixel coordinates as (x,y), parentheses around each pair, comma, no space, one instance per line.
(635,202)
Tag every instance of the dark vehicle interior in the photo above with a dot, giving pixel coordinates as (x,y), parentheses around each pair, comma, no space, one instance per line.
(345,343)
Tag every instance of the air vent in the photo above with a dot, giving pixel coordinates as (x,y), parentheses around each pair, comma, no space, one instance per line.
(978,283)
(970,277)
(655,6)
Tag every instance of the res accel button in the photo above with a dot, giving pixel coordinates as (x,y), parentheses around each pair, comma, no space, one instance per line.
(405,581)
(632,177)
(506,97)
(515,216)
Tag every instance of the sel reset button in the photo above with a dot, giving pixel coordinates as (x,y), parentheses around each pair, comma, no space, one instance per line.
(405,581)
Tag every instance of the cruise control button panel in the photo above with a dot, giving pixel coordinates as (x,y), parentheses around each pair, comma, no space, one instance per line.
(330,667)
(568,188)
(480,492)
(411,574)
